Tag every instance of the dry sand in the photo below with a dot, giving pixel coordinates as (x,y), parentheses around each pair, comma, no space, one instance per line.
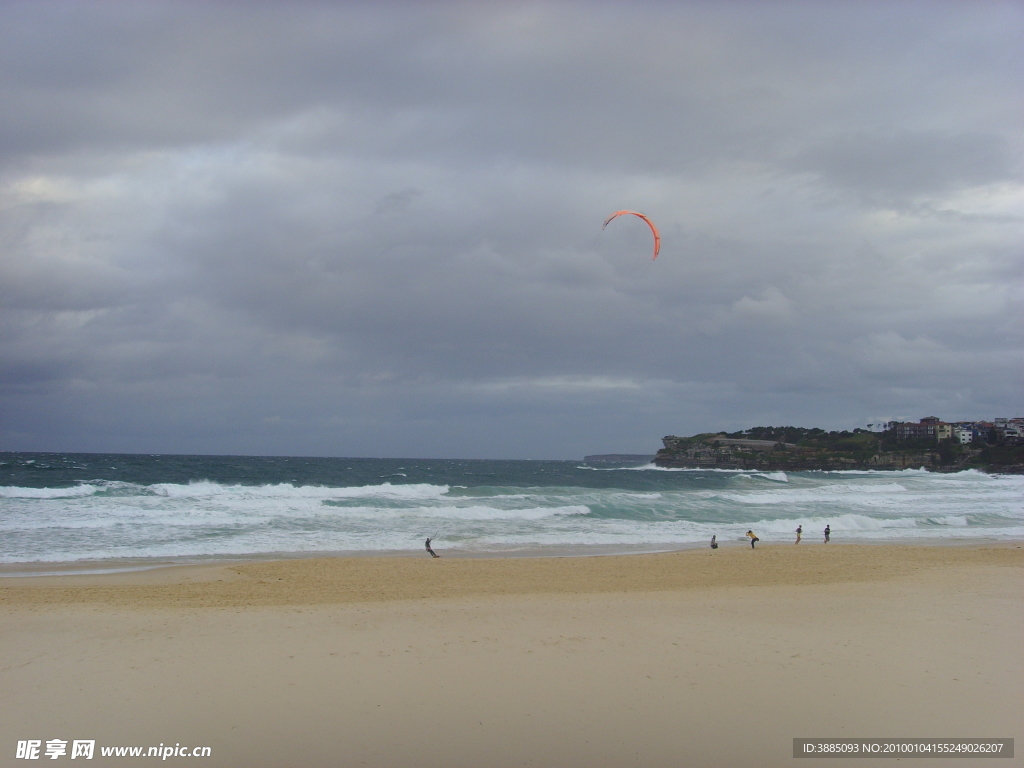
(696,658)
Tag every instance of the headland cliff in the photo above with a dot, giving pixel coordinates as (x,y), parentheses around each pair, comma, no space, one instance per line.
(794,449)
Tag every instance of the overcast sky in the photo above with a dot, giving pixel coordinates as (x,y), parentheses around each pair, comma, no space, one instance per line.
(374,229)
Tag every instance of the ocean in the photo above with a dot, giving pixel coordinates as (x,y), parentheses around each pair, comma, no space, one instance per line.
(101,508)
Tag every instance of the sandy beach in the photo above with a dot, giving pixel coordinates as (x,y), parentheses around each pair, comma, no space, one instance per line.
(695,658)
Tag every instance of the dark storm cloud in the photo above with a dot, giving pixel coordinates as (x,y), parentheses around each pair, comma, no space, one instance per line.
(375,228)
(543,81)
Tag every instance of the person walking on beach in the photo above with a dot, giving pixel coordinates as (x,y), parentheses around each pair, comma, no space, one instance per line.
(799,533)
(432,552)
(753,538)
(828,532)
(714,543)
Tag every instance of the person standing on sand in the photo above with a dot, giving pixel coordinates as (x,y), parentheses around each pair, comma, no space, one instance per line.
(799,533)
(828,532)
(432,552)
(753,538)
(714,543)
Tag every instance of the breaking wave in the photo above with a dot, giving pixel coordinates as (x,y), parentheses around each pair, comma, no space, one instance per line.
(472,507)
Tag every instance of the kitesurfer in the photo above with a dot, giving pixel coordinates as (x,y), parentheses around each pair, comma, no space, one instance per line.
(432,552)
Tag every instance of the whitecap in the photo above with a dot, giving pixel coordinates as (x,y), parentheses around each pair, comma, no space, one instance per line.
(205,488)
(15,492)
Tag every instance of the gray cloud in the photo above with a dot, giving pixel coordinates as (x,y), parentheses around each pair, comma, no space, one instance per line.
(893,169)
(341,228)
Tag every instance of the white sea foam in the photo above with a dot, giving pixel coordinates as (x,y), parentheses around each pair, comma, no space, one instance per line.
(14,492)
(491,513)
(847,523)
(111,519)
(205,488)
(778,477)
(862,495)
(882,472)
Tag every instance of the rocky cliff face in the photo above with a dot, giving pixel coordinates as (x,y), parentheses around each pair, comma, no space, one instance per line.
(717,452)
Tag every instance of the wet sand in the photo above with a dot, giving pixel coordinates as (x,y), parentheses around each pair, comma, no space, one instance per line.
(692,658)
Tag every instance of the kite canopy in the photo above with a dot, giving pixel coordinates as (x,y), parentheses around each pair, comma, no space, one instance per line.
(654,229)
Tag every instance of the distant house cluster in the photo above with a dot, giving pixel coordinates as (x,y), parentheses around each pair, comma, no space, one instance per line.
(1009,431)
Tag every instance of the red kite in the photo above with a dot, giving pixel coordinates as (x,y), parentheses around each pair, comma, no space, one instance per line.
(654,229)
